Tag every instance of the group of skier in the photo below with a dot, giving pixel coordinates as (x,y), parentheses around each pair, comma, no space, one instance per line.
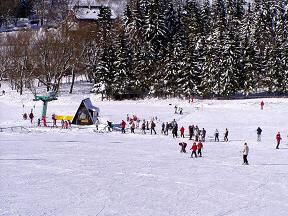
(178,110)
(31,116)
(196,148)
(278,137)
(65,124)
(245,150)
(193,131)
(144,126)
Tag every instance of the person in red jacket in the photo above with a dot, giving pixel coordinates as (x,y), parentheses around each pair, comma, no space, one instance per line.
(194,149)
(123,125)
(199,147)
(44,121)
(278,139)
(262,105)
(182,131)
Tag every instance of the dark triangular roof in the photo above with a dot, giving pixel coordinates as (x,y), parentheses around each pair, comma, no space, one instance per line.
(86,109)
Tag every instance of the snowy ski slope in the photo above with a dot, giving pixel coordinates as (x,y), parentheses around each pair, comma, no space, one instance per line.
(51,171)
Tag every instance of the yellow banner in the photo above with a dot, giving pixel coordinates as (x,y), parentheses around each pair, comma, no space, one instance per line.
(65,118)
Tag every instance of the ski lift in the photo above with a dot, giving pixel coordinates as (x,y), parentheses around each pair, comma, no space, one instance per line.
(51,96)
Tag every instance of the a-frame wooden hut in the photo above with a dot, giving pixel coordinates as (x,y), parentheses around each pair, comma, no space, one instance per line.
(86,113)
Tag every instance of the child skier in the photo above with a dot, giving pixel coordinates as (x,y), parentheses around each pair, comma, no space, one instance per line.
(183,147)
(25,116)
(199,147)
(66,124)
(123,125)
(194,149)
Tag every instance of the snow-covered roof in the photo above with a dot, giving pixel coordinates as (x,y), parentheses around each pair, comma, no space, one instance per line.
(90,2)
(116,7)
(89,13)
(87,102)
(86,13)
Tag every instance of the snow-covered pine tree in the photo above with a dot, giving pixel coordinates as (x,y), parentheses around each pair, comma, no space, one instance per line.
(231,55)
(213,67)
(155,29)
(283,38)
(105,69)
(173,67)
(194,28)
(143,68)
(169,66)
(127,16)
(171,21)
(122,65)
(278,61)
(262,34)
(135,27)
(249,75)
(206,17)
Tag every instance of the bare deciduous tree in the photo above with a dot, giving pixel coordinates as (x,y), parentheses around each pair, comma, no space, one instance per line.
(19,59)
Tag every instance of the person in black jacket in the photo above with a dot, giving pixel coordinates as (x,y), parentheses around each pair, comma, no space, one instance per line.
(226,135)
(163,128)
(153,125)
(191,132)
(259,131)
(183,147)
(203,134)
(175,130)
(216,135)
(31,116)
(166,128)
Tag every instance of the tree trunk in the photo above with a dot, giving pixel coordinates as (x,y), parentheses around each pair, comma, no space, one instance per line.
(73,80)
(56,86)
(21,87)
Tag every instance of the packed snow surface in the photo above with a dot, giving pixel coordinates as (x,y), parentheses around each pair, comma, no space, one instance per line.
(53,171)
